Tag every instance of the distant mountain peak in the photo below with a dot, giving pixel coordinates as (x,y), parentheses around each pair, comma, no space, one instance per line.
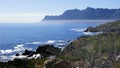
(90,8)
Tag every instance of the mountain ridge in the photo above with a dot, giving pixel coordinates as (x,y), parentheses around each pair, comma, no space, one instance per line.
(87,14)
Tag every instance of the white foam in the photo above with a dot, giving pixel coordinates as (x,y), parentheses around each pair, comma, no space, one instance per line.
(88,33)
(35,56)
(50,42)
(36,43)
(20,48)
(18,57)
(21,45)
(61,41)
(6,51)
(4,58)
(92,33)
(99,32)
(78,29)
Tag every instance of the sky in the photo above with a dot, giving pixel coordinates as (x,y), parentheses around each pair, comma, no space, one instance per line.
(32,11)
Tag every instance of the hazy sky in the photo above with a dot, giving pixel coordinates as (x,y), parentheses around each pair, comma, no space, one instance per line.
(34,10)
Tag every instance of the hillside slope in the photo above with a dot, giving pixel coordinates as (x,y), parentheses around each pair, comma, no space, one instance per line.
(101,51)
(109,27)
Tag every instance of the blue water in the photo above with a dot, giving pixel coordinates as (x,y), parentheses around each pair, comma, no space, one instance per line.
(17,37)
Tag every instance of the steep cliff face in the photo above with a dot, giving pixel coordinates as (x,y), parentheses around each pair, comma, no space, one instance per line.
(87,14)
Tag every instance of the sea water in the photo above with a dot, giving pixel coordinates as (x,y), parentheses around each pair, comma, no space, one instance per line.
(16,37)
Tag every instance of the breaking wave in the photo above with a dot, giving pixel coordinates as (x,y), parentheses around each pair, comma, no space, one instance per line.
(78,29)
(9,54)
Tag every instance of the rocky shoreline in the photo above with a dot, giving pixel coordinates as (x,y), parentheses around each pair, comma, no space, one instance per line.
(96,51)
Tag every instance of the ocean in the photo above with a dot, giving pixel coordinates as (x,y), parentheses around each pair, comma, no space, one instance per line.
(16,37)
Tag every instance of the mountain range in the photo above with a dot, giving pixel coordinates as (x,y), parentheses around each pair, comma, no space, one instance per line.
(87,14)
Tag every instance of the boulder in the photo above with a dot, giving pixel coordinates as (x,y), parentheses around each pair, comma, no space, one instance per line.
(17,54)
(29,53)
(90,29)
(48,50)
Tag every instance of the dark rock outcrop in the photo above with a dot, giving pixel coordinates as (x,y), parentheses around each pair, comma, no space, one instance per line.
(47,50)
(29,53)
(44,51)
(90,29)
(17,54)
